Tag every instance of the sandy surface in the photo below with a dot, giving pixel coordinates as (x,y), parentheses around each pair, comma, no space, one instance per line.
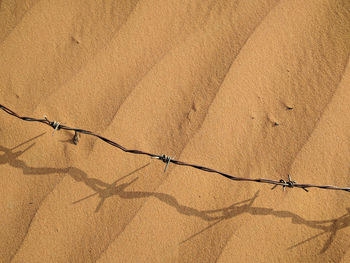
(203,81)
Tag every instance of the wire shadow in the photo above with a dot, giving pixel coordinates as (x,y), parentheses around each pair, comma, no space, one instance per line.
(11,157)
(105,190)
(328,226)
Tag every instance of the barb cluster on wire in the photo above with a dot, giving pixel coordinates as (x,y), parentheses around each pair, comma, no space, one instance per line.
(166,159)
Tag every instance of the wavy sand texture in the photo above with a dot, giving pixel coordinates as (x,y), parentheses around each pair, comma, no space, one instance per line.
(202,81)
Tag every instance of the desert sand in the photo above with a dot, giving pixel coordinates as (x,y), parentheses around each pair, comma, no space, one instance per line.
(203,81)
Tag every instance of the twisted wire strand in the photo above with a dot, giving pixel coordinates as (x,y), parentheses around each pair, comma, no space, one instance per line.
(166,159)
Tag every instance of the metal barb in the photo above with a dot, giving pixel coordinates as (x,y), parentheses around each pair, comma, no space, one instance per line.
(167,160)
(55,125)
(290,183)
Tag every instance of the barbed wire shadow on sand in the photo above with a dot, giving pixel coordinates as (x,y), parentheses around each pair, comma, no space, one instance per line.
(11,157)
(107,190)
(118,188)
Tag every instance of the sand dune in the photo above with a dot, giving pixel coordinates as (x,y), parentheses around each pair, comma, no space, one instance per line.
(252,88)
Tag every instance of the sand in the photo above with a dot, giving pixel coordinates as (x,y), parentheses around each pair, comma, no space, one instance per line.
(255,88)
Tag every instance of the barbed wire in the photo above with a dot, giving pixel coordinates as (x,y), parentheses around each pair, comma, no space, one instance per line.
(167,160)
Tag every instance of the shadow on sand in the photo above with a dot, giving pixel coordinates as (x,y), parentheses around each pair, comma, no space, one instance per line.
(11,157)
(105,190)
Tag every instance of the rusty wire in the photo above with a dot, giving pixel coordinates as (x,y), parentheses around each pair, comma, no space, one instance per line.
(166,159)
